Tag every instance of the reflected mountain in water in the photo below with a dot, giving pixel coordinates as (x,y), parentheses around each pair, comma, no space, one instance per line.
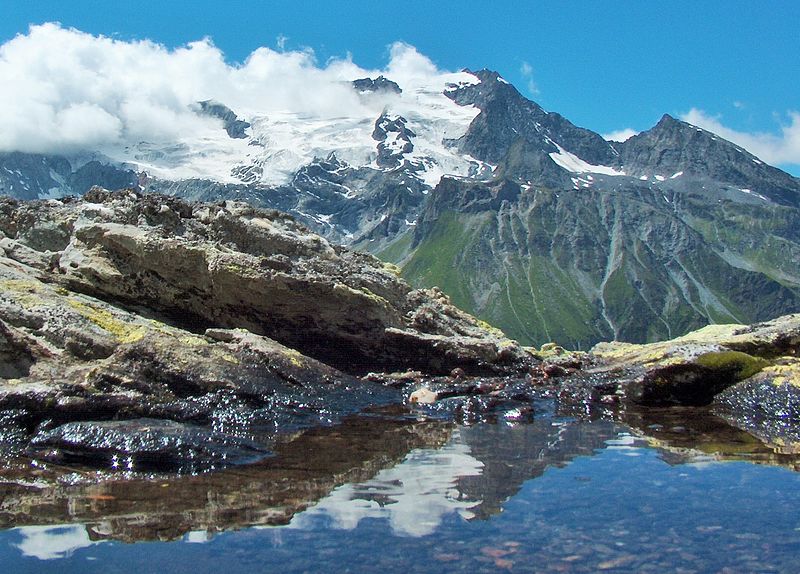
(692,435)
(473,475)
(413,473)
(413,496)
(267,493)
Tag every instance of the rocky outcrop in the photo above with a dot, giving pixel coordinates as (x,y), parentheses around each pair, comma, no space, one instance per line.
(747,375)
(695,369)
(394,140)
(379,84)
(235,128)
(70,357)
(234,266)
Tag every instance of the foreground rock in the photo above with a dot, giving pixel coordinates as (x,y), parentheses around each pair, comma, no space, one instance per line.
(234,266)
(143,444)
(695,368)
(749,375)
(70,357)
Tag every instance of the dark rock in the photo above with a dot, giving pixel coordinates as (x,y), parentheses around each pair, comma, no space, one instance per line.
(15,357)
(235,127)
(394,140)
(143,444)
(379,84)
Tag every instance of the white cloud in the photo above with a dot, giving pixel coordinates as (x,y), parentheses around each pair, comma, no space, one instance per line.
(65,90)
(527,73)
(407,64)
(620,135)
(772,148)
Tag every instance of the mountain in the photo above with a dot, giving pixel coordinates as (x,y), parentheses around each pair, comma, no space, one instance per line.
(536,225)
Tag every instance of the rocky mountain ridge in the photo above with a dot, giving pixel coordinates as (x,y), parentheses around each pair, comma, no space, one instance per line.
(643,239)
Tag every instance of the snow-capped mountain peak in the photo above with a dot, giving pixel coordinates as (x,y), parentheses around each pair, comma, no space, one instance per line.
(269,147)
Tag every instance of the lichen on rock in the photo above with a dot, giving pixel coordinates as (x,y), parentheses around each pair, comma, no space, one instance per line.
(215,266)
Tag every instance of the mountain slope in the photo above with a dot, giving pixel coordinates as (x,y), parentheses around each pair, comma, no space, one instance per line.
(579,266)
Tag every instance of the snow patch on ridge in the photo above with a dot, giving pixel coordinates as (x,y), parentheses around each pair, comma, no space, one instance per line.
(573,163)
(753,193)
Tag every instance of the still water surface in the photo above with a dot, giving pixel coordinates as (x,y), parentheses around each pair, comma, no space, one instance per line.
(396,495)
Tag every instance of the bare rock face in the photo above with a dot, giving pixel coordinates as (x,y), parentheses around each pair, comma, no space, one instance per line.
(749,375)
(233,266)
(696,368)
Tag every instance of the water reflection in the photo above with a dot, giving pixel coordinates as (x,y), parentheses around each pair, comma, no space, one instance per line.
(303,471)
(413,474)
(692,435)
(53,542)
(413,496)
(472,476)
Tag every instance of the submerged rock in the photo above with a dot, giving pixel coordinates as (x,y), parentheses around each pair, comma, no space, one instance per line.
(144,444)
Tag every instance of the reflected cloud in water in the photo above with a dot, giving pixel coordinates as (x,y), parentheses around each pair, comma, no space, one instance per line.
(414,496)
(53,542)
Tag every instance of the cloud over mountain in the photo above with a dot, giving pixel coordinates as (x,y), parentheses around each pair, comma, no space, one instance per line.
(772,148)
(69,90)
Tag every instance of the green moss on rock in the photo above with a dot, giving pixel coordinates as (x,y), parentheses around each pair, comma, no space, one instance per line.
(741,365)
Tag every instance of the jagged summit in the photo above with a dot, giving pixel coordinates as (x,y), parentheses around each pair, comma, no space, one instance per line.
(379,84)
(674,148)
(508,119)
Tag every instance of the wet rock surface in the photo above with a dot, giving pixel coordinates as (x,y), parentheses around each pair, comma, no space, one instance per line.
(747,375)
(693,369)
(143,444)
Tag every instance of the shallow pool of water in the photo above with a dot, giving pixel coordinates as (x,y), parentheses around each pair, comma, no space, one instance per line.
(406,495)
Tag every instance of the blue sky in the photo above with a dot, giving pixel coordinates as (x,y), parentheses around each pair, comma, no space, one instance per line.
(606,66)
